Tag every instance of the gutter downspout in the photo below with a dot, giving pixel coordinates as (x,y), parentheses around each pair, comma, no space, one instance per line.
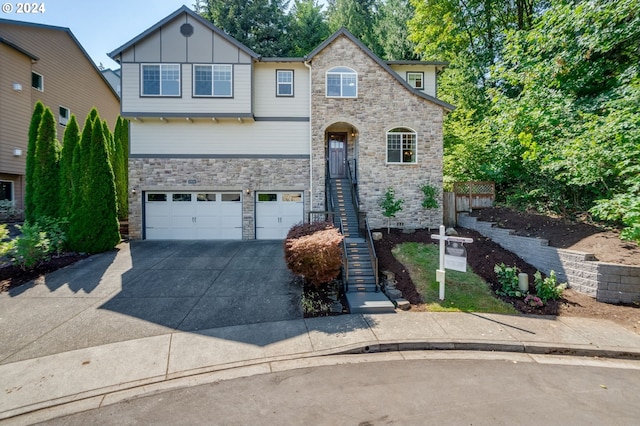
(306,64)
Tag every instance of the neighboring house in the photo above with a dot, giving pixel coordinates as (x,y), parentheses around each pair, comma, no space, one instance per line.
(46,63)
(113,77)
(225,144)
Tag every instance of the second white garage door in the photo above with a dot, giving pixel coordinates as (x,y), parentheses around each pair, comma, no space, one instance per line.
(193,215)
(276,213)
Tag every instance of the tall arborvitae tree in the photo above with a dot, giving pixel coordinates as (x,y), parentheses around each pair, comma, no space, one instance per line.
(81,197)
(31,153)
(46,171)
(120,170)
(70,141)
(103,228)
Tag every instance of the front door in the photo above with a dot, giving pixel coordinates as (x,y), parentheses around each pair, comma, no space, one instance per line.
(337,155)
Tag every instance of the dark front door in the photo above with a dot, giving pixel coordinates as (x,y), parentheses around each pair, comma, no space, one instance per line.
(337,155)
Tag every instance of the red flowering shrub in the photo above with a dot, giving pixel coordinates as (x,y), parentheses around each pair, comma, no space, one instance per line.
(314,251)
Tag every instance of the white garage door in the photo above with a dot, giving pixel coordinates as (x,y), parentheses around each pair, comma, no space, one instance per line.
(193,215)
(276,213)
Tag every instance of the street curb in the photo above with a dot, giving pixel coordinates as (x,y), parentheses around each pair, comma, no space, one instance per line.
(47,410)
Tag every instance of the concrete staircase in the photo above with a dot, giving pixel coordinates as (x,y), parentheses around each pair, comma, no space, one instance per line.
(363,296)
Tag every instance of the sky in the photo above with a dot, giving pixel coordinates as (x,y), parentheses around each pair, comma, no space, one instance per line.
(100,26)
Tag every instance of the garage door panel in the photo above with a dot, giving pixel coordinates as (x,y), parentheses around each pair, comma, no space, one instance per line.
(182,215)
(277,212)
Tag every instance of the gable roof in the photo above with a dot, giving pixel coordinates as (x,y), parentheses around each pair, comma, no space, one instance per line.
(19,49)
(54,28)
(343,32)
(184,9)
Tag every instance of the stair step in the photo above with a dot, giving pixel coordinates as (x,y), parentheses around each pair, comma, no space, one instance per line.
(369,303)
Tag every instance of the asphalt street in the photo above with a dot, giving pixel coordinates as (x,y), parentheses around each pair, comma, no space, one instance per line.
(452,388)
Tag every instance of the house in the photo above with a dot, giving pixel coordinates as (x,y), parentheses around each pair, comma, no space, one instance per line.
(113,77)
(226,144)
(48,64)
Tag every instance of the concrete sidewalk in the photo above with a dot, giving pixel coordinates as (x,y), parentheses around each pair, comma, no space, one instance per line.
(111,328)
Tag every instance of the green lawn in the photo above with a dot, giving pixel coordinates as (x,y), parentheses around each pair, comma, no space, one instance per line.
(464,291)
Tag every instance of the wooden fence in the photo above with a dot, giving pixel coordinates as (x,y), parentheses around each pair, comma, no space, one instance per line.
(465,197)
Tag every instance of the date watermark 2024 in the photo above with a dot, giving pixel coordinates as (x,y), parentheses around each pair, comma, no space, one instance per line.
(23,8)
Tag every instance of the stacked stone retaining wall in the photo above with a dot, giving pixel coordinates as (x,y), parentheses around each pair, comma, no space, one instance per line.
(608,282)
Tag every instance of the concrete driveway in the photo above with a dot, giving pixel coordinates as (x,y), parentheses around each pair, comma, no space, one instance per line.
(148,288)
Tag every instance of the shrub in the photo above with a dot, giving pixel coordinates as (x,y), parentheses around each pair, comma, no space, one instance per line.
(314,251)
(5,243)
(508,279)
(430,200)
(548,288)
(56,231)
(8,210)
(30,248)
(390,206)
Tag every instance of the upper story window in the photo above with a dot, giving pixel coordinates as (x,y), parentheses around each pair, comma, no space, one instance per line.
(401,146)
(161,80)
(284,82)
(37,81)
(213,80)
(342,82)
(416,80)
(63,115)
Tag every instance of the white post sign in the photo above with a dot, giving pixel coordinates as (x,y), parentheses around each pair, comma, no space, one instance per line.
(453,255)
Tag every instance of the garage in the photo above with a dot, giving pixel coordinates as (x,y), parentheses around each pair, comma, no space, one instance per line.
(276,213)
(193,215)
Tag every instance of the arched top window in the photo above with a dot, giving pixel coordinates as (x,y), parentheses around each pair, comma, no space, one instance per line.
(401,146)
(341,82)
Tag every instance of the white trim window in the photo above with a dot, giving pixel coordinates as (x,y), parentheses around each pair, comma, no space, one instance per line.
(284,82)
(63,115)
(401,146)
(6,190)
(213,80)
(37,81)
(160,79)
(341,82)
(416,80)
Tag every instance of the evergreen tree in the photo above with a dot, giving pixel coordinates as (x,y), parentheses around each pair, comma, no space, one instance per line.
(261,25)
(81,214)
(357,16)
(46,171)
(308,27)
(120,169)
(392,31)
(70,141)
(36,117)
(103,229)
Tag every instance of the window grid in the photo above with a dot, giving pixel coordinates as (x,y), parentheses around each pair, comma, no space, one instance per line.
(341,82)
(284,83)
(401,146)
(416,80)
(161,80)
(213,80)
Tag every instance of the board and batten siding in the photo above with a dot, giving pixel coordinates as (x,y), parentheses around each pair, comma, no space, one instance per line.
(267,104)
(430,85)
(223,138)
(168,45)
(133,102)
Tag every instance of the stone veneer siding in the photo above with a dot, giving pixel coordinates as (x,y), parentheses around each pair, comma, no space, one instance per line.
(382,104)
(219,174)
(607,282)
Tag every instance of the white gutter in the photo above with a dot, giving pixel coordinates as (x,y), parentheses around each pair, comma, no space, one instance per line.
(306,64)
